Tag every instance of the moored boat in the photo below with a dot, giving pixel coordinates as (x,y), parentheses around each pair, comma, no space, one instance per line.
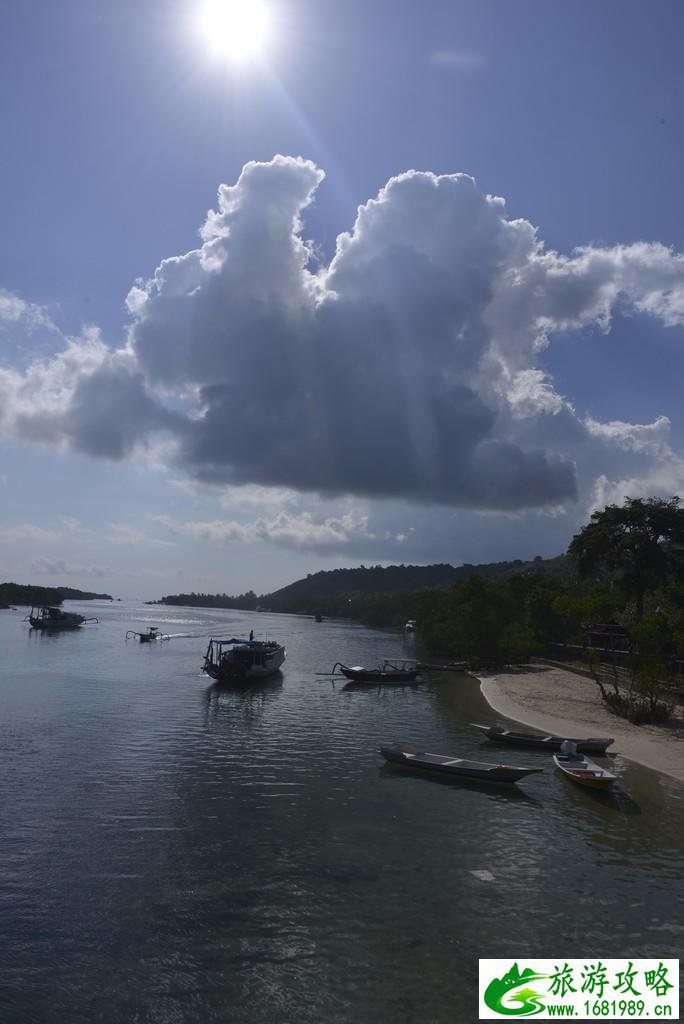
(240,661)
(412,757)
(593,745)
(388,672)
(583,771)
(55,618)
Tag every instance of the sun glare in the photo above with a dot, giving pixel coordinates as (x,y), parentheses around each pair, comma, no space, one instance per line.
(236,29)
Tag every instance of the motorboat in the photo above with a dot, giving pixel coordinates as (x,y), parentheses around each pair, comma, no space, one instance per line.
(55,618)
(389,672)
(239,661)
(410,626)
(539,741)
(412,757)
(583,771)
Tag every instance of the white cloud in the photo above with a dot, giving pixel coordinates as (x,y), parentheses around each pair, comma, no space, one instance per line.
(254,495)
(298,531)
(28,531)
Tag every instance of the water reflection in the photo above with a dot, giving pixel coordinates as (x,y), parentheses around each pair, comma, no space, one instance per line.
(497,791)
(177,851)
(225,699)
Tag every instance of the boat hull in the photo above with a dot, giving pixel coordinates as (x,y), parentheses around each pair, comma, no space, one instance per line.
(593,745)
(397,678)
(458,768)
(74,623)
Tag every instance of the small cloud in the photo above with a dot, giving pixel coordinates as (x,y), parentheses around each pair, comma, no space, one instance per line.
(58,567)
(71,524)
(28,531)
(458,60)
(124,533)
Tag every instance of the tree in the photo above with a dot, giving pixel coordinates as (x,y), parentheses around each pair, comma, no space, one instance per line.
(639,543)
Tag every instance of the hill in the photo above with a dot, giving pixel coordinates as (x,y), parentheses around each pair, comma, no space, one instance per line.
(331,591)
(18,593)
(318,589)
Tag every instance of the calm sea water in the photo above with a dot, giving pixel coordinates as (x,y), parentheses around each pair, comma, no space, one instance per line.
(173,853)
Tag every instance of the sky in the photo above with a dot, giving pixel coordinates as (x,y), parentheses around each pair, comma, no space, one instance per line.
(404,284)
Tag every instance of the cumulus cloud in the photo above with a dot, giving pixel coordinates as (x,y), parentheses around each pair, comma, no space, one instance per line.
(290,530)
(405,369)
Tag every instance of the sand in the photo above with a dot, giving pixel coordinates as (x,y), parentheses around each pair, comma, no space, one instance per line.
(554,700)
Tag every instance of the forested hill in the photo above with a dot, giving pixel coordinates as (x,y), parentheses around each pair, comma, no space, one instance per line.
(374,580)
(396,579)
(18,593)
(320,590)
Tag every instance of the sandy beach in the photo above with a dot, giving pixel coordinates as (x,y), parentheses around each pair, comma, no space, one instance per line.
(557,701)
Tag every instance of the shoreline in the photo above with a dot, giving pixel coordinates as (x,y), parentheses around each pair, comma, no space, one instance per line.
(556,701)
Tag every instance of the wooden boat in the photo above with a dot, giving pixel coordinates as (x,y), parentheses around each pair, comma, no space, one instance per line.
(240,661)
(145,638)
(412,757)
(55,618)
(389,672)
(318,617)
(495,733)
(583,771)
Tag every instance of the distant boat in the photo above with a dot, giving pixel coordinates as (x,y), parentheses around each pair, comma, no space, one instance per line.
(412,757)
(496,734)
(584,772)
(388,672)
(145,638)
(239,661)
(318,618)
(55,618)
(410,626)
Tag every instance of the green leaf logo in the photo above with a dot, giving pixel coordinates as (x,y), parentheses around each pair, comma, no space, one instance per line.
(512,996)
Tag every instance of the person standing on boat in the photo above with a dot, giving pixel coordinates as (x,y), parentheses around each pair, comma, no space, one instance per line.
(251,635)
(569,749)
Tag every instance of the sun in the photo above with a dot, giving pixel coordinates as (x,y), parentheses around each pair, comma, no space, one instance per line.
(236,29)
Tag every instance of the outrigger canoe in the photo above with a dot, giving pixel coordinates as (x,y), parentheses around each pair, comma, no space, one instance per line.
(496,734)
(412,757)
(584,772)
(152,634)
(387,673)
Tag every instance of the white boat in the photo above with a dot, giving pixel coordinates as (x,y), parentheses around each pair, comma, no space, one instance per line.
(580,769)
(410,626)
(240,661)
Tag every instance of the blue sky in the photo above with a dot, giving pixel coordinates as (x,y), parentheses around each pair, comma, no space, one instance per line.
(119,125)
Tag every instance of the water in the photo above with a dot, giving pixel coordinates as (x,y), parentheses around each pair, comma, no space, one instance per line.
(175,853)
